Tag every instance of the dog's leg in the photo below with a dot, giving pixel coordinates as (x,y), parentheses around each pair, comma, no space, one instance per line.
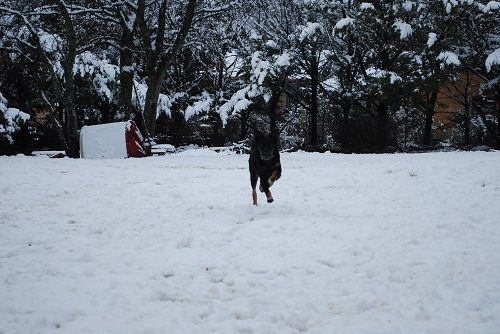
(254,197)
(253,182)
(269,196)
(264,186)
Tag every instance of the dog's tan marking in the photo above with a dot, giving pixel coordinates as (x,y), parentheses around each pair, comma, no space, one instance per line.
(274,176)
(254,197)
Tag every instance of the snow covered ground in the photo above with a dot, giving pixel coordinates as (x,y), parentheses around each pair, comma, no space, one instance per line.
(352,244)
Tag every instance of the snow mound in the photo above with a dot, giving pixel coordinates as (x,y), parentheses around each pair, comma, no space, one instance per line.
(201,152)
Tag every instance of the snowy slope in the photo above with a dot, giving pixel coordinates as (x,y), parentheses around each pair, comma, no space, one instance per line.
(352,244)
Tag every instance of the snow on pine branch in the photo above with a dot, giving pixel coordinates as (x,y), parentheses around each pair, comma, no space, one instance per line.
(380,74)
(449,58)
(408,5)
(309,30)
(432,39)
(233,63)
(164,101)
(236,104)
(490,6)
(344,22)
(492,59)
(203,105)
(283,60)
(50,42)
(405,30)
(102,73)
(262,67)
(366,6)
(13,118)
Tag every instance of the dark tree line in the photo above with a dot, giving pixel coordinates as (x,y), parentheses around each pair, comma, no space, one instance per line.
(329,74)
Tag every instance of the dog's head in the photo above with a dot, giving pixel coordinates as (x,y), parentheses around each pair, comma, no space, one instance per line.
(267,145)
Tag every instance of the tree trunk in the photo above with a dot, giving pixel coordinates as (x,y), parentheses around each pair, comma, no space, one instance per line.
(69,87)
(73,142)
(243,125)
(126,75)
(157,72)
(56,124)
(314,108)
(381,125)
(345,140)
(72,130)
(151,103)
(466,124)
(106,112)
(272,110)
(429,114)
(64,91)
(428,127)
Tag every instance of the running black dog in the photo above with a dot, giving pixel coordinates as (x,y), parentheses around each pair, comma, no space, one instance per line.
(264,163)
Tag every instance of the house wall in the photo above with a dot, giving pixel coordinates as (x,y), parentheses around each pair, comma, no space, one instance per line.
(452,100)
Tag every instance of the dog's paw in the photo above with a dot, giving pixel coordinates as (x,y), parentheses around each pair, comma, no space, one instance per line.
(270,200)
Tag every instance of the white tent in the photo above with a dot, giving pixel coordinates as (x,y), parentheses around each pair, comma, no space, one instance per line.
(104,141)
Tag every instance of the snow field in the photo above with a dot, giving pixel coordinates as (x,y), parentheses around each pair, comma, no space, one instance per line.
(352,244)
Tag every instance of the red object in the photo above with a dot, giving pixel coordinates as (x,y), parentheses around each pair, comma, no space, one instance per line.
(135,141)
